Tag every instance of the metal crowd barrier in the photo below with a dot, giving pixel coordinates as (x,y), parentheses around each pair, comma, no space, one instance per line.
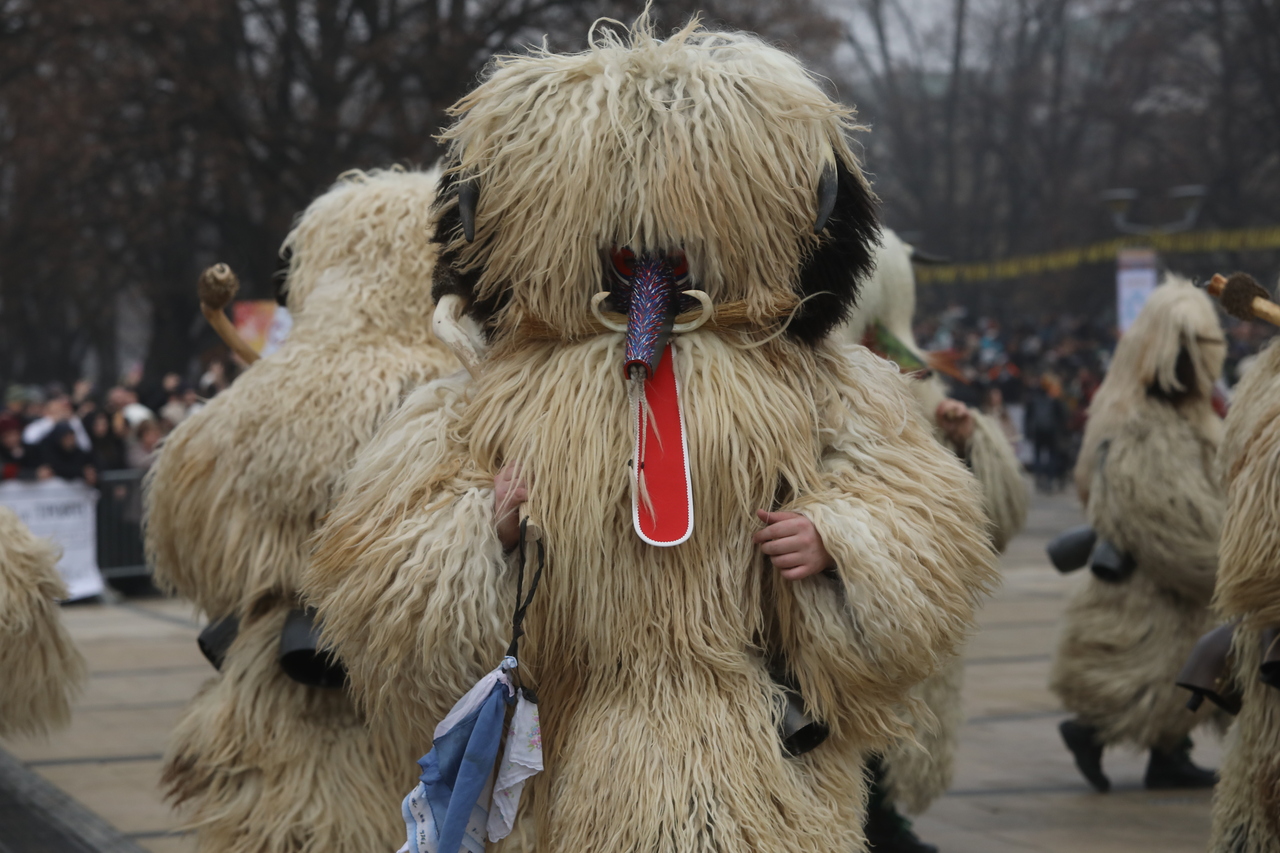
(120,553)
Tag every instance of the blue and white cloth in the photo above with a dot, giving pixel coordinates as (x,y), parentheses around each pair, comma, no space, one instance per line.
(458,801)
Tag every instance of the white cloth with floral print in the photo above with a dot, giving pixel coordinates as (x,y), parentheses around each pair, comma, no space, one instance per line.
(521,759)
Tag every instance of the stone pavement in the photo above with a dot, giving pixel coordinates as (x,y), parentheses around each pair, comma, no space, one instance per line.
(143,667)
(1015,788)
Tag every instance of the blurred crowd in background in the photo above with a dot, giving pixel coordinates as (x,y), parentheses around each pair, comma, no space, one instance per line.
(1038,377)
(76,432)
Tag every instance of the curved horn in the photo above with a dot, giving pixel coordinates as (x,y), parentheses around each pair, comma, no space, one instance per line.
(468,196)
(827,186)
(708,310)
(216,288)
(447,323)
(611,325)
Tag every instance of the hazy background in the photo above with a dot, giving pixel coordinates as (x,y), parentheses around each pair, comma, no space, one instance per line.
(141,140)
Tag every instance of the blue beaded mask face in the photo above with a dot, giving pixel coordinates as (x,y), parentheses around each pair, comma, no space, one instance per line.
(647,288)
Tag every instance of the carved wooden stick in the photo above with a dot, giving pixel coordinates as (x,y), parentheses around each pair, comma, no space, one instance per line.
(1243,297)
(218,285)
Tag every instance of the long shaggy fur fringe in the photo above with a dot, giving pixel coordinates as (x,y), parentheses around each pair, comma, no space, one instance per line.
(1249,575)
(918,770)
(650,658)
(1146,474)
(40,668)
(888,296)
(270,766)
(1246,800)
(711,142)
(239,487)
(1246,803)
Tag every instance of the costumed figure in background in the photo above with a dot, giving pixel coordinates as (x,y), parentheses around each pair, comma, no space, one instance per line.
(740,523)
(1151,494)
(1246,803)
(40,667)
(917,771)
(272,755)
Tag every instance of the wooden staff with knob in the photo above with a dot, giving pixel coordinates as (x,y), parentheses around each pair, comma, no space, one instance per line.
(216,288)
(1242,297)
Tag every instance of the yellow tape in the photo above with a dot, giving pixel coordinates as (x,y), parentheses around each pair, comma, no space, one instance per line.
(1190,242)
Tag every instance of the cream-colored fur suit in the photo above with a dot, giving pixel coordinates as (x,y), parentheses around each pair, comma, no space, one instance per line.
(1246,803)
(889,297)
(652,665)
(1146,476)
(267,764)
(919,770)
(40,667)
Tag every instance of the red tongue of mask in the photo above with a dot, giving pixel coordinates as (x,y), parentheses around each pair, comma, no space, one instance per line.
(661,493)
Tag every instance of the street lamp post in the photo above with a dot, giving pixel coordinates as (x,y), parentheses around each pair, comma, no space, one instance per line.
(1136,267)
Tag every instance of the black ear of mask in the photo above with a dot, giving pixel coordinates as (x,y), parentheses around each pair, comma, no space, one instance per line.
(1185,372)
(829,279)
(832,275)
(448,277)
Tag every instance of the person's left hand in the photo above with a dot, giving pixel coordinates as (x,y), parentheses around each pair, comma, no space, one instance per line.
(793,544)
(509,492)
(956,422)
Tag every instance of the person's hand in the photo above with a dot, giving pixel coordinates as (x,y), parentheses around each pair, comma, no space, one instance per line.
(956,422)
(509,492)
(44,472)
(793,544)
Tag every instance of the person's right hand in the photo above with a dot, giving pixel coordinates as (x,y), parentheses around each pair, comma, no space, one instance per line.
(509,492)
(956,422)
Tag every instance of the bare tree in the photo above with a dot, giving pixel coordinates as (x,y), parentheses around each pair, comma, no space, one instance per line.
(141,141)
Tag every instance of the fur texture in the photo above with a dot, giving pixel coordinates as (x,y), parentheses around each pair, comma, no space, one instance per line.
(239,487)
(270,766)
(708,141)
(1146,475)
(1249,577)
(888,297)
(652,664)
(1246,803)
(40,667)
(919,770)
(421,564)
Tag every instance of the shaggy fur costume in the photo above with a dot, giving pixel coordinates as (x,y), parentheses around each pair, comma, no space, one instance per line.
(270,764)
(919,770)
(40,668)
(239,487)
(238,491)
(1246,803)
(889,297)
(652,664)
(1146,477)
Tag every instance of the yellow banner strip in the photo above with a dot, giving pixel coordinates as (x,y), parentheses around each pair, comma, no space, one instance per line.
(1187,243)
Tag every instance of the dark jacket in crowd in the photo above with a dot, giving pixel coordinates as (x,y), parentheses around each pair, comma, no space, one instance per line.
(59,451)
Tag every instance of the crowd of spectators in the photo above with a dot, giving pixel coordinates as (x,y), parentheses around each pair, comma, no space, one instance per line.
(50,431)
(1038,377)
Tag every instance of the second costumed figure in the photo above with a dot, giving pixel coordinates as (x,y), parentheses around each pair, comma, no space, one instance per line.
(657,237)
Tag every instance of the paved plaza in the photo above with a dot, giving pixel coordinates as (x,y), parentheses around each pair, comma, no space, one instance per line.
(1015,786)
